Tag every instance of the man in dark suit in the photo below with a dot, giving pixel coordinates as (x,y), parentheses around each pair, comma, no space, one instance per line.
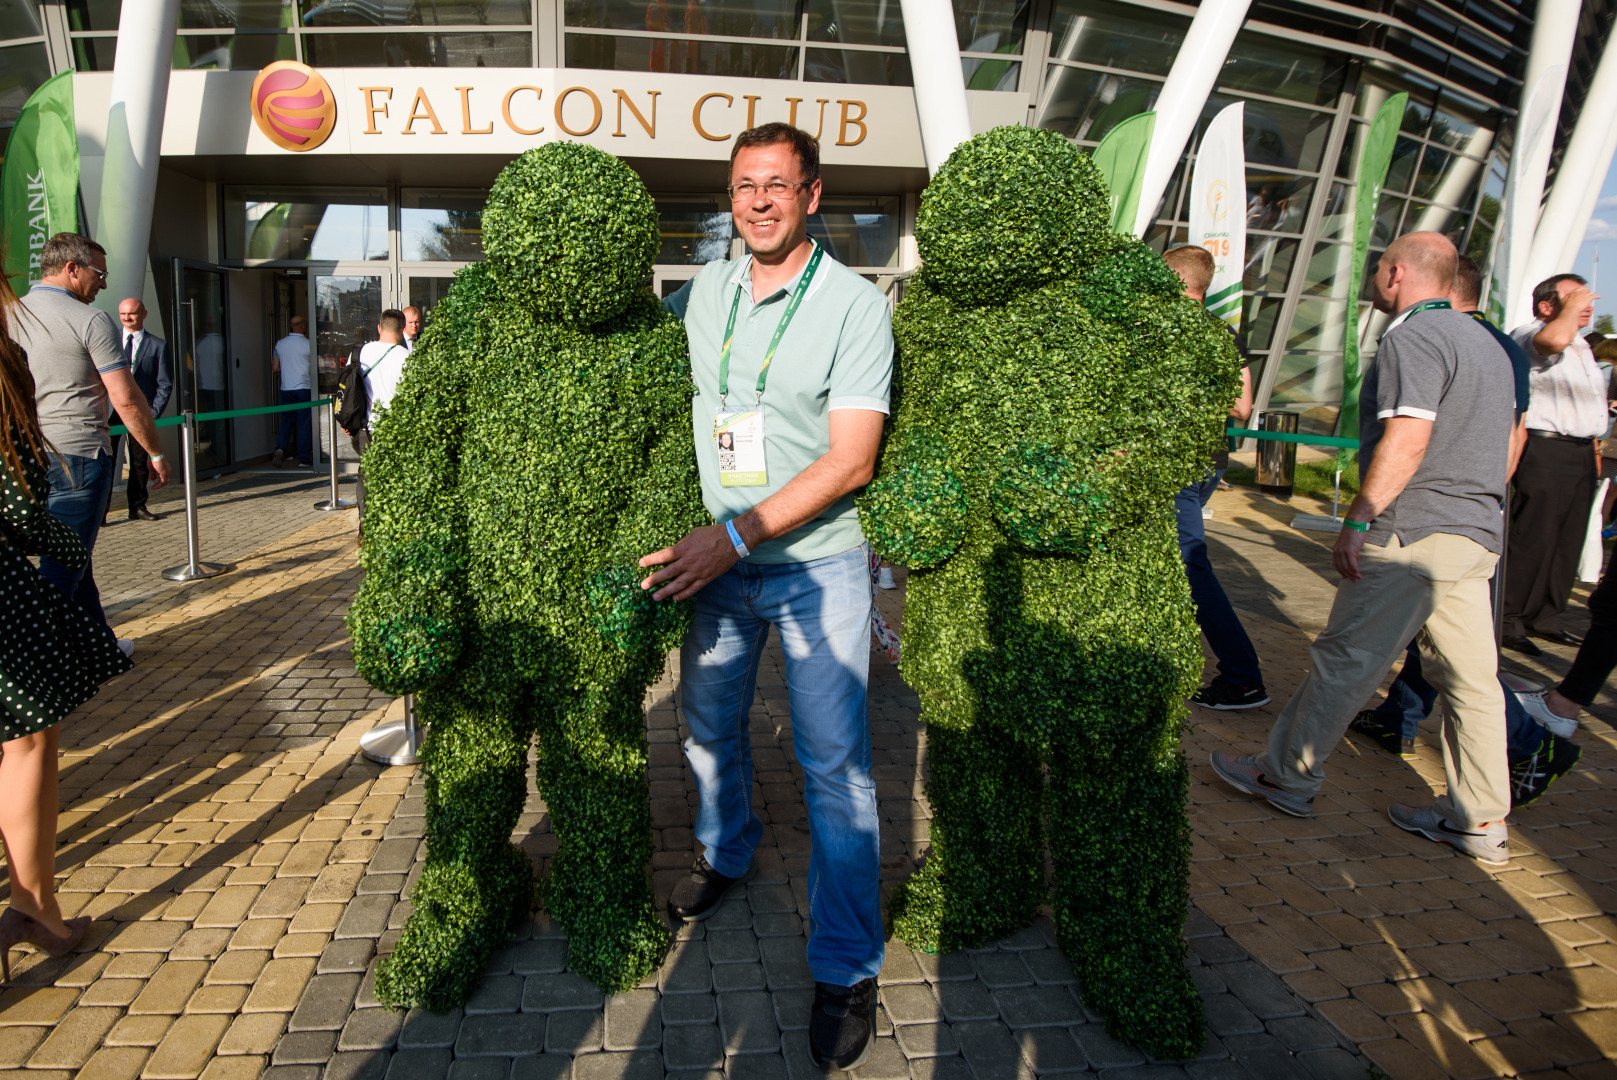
(152,367)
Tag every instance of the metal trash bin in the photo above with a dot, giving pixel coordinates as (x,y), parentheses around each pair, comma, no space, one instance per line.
(1277,461)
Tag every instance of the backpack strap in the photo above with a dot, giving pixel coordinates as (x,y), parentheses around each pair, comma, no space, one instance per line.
(379,359)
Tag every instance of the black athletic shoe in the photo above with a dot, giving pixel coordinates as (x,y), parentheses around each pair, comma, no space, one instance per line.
(697,895)
(841,1024)
(1521,644)
(1531,778)
(1223,694)
(1389,740)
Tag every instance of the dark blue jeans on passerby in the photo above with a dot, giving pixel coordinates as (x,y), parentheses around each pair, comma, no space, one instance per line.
(1410,700)
(1237,659)
(296,419)
(81,488)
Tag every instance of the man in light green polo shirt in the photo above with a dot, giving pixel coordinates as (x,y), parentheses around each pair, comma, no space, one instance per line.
(792,355)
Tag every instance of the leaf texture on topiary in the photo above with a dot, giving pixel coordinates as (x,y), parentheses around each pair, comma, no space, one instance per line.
(1055,390)
(538,445)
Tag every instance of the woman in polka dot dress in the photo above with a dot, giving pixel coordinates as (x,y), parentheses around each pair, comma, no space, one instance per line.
(53,658)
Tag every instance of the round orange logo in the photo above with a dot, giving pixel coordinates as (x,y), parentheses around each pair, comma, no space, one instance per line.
(293,106)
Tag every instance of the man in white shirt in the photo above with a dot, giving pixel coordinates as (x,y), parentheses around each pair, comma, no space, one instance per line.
(382,361)
(290,360)
(1555,481)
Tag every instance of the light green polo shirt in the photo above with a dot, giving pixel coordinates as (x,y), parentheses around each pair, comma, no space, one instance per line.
(837,354)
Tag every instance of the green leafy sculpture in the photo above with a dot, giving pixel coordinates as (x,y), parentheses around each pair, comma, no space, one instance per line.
(538,445)
(1055,389)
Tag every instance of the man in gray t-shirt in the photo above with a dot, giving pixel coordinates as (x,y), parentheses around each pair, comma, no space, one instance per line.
(79,372)
(1416,551)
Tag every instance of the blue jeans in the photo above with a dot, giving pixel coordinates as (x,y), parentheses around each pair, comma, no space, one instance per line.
(1237,659)
(81,489)
(297,419)
(822,610)
(1410,699)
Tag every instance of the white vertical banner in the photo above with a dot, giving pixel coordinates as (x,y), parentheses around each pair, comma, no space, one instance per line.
(1218,209)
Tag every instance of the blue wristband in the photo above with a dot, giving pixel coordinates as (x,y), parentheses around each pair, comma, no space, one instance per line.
(735,538)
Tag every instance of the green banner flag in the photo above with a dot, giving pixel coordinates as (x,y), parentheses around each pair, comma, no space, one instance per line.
(1373,162)
(39,181)
(1120,157)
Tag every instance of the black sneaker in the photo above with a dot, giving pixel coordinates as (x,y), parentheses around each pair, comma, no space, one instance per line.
(1223,694)
(1531,778)
(841,1024)
(698,894)
(1383,736)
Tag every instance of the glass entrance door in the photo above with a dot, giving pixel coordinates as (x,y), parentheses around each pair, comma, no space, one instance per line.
(204,347)
(347,303)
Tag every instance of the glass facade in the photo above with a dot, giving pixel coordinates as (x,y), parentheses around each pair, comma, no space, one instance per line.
(1310,73)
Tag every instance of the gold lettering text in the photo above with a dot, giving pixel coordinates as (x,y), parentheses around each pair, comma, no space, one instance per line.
(623,99)
(466,114)
(505,109)
(696,115)
(820,129)
(416,113)
(851,121)
(791,116)
(561,101)
(371,108)
(752,103)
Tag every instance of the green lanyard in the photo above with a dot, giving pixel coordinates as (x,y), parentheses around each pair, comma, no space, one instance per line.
(1428,305)
(780,331)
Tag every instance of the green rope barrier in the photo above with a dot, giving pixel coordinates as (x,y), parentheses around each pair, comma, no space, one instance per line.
(1305,440)
(230,414)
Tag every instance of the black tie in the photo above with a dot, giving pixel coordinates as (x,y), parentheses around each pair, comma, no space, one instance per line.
(129,348)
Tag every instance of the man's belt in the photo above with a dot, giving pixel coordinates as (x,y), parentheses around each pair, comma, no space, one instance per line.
(1540,433)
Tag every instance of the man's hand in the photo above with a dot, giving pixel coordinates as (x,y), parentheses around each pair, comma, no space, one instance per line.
(1345,554)
(161,471)
(689,565)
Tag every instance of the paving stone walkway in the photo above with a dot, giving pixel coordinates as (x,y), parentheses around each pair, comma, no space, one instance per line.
(246,868)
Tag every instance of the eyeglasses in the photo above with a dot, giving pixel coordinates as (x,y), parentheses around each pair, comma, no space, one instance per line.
(775,189)
(102,274)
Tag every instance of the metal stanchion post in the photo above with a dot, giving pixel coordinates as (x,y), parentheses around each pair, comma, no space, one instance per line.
(397,742)
(194,569)
(336,502)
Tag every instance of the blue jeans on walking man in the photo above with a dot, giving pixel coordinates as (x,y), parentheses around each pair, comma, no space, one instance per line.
(299,420)
(1410,700)
(1237,659)
(81,489)
(822,610)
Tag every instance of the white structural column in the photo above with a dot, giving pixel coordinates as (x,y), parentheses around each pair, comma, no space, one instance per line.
(1555,27)
(134,141)
(1179,106)
(1577,182)
(940,86)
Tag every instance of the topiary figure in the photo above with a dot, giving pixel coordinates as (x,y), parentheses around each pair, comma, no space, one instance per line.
(1055,390)
(538,445)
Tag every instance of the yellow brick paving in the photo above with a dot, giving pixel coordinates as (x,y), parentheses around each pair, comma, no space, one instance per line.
(217,821)
(216,816)
(1433,964)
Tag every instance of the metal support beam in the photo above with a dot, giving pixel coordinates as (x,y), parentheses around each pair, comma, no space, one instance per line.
(134,141)
(1195,70)
(1579,178)
(940,85)
(1555,27)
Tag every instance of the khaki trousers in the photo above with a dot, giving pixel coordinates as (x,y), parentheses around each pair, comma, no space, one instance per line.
(1439,583)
